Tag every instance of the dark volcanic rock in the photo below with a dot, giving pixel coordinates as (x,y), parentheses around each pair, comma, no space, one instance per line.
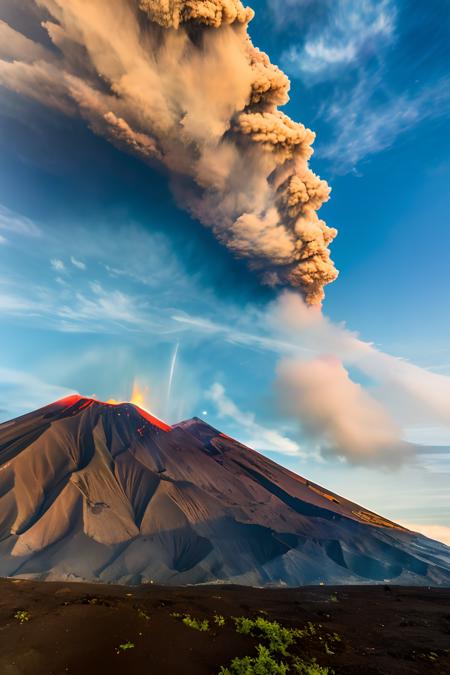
(92,491)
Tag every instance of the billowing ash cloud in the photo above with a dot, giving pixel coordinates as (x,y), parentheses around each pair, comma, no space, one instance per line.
(179,84)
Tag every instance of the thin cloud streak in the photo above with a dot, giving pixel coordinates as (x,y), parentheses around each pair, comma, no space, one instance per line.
(16,224)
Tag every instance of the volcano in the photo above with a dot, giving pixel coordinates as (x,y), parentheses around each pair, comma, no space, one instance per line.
(92,491)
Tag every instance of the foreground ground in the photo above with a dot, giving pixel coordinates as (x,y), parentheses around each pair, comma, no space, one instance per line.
(57,628)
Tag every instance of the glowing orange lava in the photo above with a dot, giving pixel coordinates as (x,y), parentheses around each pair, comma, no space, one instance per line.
(139,395)
(139,398)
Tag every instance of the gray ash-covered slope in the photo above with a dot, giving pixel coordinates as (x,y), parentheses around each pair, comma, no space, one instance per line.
(109,493)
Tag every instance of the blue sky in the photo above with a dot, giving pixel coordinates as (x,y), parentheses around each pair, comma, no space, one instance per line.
(102,276)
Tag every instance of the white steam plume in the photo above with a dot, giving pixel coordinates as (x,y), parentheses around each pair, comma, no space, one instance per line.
(179,83)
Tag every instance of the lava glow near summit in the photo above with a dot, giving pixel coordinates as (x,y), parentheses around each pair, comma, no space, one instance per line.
(139,397)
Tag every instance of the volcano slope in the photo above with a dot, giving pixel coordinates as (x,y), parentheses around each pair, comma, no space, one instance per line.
(107,493)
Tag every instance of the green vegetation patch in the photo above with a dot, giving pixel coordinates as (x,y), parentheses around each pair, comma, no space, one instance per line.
(262,664)
(124,647)
(273,656)
(22,616)
(192,622)
(278,637)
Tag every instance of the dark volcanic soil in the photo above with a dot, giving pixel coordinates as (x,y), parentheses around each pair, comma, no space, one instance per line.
(77,628)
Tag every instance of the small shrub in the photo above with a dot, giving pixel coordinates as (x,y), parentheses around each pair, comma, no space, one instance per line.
(22,616)
(244,624)
(334,597)
(196,624)
(261,664)
(278,637)
(219,620)
(312,668)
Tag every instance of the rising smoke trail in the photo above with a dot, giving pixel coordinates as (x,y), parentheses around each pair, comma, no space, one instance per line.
(173,362)
(180,84)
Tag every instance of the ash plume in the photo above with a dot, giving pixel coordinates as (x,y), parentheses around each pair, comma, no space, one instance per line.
(179,84)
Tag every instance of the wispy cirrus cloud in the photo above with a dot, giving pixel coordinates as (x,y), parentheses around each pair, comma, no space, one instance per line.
(116,300)
(110,308)
(21,391)
(369,117)
(79,264)
(13,223)
(368,100)
(350,32)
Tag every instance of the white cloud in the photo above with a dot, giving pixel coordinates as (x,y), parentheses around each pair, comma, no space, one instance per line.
(3,240)
(57,265)
(256,436)
(79,264)
(16,224)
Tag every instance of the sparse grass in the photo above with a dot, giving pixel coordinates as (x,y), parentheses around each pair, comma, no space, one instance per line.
(273,657)
(328,650)
(429,656)
(22,616)
(310,630)
(124,647)
(142,614)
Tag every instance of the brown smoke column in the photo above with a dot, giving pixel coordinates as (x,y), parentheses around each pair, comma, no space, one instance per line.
(179,83)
